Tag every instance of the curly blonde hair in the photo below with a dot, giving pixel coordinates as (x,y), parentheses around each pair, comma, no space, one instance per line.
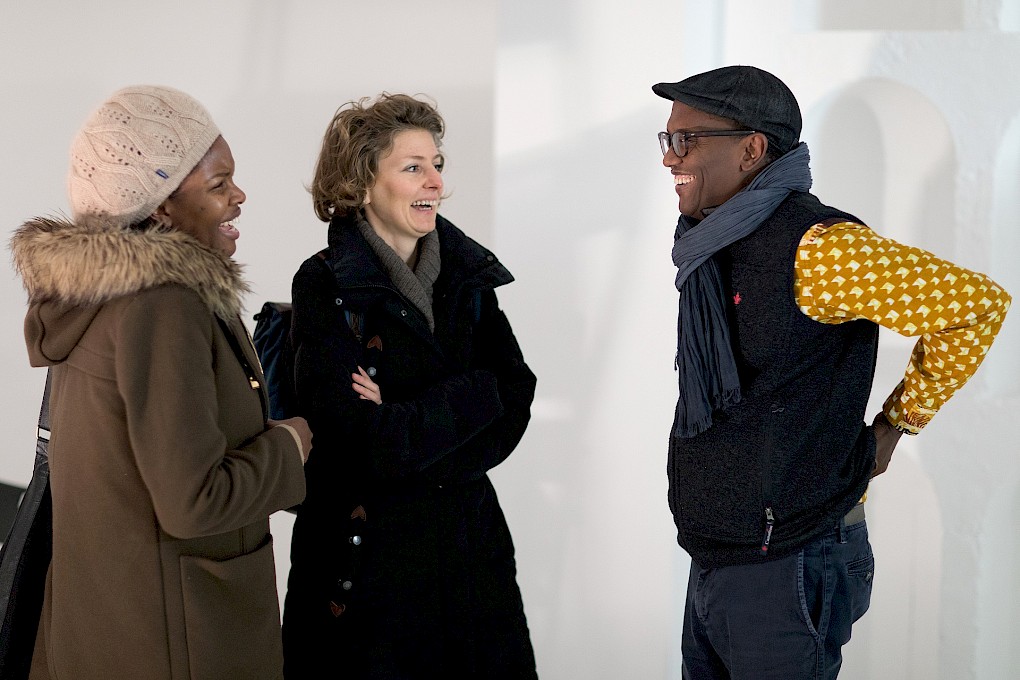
(360,133)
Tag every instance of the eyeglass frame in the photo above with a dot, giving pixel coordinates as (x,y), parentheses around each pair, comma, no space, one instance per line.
(670,140)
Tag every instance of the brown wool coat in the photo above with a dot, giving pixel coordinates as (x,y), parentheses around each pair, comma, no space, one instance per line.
(162,471)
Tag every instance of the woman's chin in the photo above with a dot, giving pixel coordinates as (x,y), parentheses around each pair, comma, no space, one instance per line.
(227,246)
(227,241)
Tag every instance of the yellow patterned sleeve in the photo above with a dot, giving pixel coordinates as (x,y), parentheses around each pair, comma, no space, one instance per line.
(845,271)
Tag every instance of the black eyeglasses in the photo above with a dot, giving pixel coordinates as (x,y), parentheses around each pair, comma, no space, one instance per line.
(679,140)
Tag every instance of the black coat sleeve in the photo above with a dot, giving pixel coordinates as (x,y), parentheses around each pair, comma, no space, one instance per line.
(495,350)
(396,439)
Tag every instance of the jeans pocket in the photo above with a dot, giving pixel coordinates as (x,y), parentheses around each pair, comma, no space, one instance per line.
(811,587)
(860,576)
(864,567)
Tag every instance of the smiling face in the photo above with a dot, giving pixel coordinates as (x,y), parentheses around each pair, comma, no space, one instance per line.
(207,201)
(715,168)
(401,205)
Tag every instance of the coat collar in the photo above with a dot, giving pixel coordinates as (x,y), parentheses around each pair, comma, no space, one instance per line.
(464,261)
(86,264)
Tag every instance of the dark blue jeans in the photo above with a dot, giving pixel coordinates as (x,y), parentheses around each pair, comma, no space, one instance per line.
(781,620)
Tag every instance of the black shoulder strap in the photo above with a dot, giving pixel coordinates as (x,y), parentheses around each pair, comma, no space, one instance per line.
(355,320)
(253,377)
(43,433)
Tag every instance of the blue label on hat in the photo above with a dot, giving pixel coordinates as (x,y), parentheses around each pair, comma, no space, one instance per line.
(162,174)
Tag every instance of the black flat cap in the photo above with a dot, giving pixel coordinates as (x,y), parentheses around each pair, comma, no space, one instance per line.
(746,94)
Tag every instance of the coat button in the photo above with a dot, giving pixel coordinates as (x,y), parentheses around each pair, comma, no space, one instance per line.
(346,585)
(490,258)
(339,301)
(356,540)
(371,371)
(403,312)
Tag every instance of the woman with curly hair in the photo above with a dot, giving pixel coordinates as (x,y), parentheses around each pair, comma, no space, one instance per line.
(402,565)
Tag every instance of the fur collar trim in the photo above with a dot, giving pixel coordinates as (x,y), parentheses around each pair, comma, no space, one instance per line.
(85,264)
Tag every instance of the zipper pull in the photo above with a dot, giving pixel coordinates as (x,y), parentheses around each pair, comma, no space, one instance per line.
(770,522)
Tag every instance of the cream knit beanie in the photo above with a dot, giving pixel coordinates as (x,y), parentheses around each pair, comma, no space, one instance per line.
(134,151)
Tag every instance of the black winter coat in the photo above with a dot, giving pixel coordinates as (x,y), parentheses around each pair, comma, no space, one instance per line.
(433,589)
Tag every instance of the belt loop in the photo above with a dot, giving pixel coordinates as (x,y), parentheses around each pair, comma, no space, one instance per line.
(841,530)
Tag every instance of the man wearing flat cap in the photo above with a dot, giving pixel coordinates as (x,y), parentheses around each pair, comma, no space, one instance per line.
(770,455)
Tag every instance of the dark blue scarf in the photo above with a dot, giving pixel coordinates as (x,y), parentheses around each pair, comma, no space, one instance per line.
(704,358)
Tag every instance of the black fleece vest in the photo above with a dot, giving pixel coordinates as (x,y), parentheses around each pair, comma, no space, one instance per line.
(784,465)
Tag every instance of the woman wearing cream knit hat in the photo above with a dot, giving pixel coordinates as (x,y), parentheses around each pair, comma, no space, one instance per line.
(163,466)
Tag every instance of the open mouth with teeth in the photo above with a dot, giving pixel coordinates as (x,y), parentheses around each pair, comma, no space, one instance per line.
(679,180)
(229,230)
(425,205)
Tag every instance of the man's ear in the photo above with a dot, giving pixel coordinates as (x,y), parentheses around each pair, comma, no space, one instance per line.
(755,147)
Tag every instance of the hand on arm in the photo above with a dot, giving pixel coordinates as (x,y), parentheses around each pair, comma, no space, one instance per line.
(497,351)
(302,433)
(404,437)
(365,387)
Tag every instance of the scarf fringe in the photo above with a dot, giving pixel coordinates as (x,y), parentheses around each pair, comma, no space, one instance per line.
(687,424)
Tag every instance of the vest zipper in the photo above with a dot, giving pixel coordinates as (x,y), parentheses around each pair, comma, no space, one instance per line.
(770,522)
(766,476)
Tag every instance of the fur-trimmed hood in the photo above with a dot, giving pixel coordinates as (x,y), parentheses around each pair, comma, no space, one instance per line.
(76,267)
(88,264)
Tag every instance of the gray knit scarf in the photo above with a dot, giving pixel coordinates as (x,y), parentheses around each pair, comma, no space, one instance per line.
(415,285)
(704,358)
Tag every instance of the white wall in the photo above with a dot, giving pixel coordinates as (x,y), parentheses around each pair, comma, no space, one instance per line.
(913,118)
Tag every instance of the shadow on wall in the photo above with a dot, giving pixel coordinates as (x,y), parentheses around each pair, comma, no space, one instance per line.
(882,15)
(594,309)
(882,151)
(998,585)
(998,649)
(1009,18)
(899,636)
(1001,370)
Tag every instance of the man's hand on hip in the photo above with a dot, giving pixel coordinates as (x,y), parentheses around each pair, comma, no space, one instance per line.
(886,437)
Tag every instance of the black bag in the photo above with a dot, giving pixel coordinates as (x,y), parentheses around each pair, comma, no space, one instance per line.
(25,559)
(276,351)
(276,354)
